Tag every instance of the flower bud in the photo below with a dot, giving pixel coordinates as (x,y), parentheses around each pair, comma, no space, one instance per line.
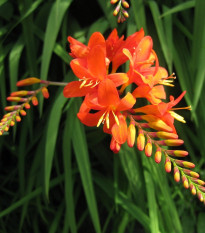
(27,82)
(185,182)
(125,4)
(18,118)
(23,112)
(191,173)
(168,165)
(34,101)
(27,105)
(114,146)
(16,99)
(193,189)
(131,134)
(148,148)
(19,93)
(140,141)
(176,174)
(160,126)
(45,92)
(177,153)
(174,142)
(166,135)
(200,196)
(186,164)
(158,156)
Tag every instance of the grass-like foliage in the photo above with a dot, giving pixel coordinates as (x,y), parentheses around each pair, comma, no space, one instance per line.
(58,175)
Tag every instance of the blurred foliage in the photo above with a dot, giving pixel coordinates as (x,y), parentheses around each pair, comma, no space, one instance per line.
(57,175)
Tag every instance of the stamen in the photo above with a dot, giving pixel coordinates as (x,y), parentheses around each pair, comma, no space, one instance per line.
(101,119)
(107,120)
(89,84)
(177,116)
(167,83)
(96,83)
(116,118)
(83,83)
(186,108)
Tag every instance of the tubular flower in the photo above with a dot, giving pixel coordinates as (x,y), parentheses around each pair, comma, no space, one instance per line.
(106,101)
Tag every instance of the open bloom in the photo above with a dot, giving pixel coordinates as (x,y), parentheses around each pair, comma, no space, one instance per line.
(162,112)
(108,106)
(91,71)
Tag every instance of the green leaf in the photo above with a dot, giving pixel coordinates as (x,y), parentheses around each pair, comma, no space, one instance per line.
(198,51)
(82,157)
(181,7)
(58,10)
(51,137)
(70,221)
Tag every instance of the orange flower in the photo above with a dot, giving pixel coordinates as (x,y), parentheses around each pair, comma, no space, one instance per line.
(162,111)
(107,103)
(79,50)
(91,71)
(115,47)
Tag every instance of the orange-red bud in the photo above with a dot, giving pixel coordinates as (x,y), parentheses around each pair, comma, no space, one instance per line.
(9,108)
(19,93)
(113,1)
(16,99)
(200,196)
(158,156)
(173,142)
(23,112)
(148,149)
(125,4)
(6,128)
(27,82)
(125,13)
(168,165)
(116,11)
(185,182)
(202,188)
(186,164)
(27,105)
(18,118)
(131,134)
(34,101)
(45,92)
(140,141)
(12,123)
(160,126)
(166,135)
(193,189)
(114,146)
(177,153)
(198,181)
(191,173)
(176,174)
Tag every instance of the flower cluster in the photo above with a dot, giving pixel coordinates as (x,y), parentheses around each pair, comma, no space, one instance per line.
(23,98)
(120,11)
(113,99)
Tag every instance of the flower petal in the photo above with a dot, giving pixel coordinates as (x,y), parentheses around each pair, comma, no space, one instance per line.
(96,39)
(77,48)
(118,78)
(107,93)
(73,89)
(96,62)
(119,132)
(79,69)
(143,49)
(126,102)
(90,119)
